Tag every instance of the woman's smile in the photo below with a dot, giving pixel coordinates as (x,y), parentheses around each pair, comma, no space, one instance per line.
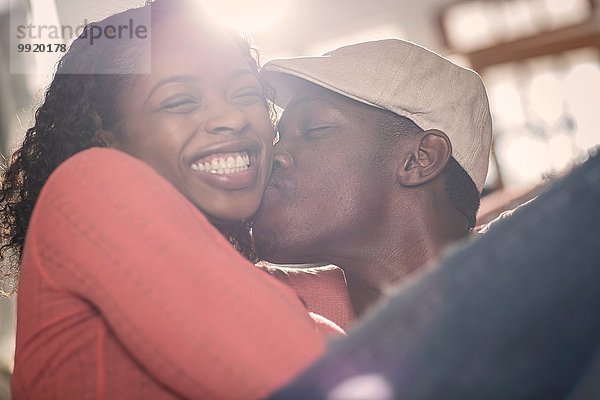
(231,165)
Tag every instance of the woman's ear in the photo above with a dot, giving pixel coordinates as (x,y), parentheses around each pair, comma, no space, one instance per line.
(106,138)
(427,160)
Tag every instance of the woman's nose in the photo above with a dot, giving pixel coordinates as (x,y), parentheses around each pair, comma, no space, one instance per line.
(227,119)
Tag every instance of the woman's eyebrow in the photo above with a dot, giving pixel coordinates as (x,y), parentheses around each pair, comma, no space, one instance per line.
(241,72)
(172,79)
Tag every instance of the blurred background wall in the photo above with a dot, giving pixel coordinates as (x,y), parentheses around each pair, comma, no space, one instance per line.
(540,60)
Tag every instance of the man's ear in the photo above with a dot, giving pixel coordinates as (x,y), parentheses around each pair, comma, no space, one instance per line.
(426,160)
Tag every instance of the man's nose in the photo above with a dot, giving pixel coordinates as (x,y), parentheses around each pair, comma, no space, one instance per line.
(282,160)
(227,119)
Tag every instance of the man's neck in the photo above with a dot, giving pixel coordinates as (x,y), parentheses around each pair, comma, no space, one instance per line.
(371,266)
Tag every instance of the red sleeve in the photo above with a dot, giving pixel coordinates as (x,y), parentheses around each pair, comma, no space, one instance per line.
(197,315)
(323,290)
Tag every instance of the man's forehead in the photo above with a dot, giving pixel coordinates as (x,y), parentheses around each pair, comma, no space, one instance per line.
(302,102)
(311,101)
(308,94)
(311,93)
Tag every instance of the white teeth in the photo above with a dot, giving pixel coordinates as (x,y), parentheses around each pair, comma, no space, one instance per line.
(239,161)
(224,165)
(230,162)
(199,167)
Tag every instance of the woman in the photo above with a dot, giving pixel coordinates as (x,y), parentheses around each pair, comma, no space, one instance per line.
(126,290)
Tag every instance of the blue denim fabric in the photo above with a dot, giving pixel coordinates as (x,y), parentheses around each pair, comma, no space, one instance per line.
(514,314)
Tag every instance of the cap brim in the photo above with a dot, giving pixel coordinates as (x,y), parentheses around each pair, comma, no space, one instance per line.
(286,82)
(284,86)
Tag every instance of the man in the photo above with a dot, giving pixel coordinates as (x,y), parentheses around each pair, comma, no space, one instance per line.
(511,315)
(382,155)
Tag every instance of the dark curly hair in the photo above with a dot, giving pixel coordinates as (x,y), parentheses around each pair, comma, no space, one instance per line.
(76,106)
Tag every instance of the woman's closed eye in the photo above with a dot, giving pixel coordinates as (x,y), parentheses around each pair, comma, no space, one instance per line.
(247,96)
(180,104)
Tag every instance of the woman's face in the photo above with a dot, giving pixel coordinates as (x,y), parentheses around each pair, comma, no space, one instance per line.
(199,120)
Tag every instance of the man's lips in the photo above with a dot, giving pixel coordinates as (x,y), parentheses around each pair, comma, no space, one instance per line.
(280,184)
(279,189)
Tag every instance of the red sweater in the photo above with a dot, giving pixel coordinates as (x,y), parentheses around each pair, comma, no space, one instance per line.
(126,291)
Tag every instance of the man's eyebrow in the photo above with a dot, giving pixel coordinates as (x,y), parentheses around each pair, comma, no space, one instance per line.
(308,100)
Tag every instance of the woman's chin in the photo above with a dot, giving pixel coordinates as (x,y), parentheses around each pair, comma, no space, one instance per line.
(226,219)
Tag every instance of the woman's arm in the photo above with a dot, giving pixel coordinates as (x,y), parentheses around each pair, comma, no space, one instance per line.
(198,316)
